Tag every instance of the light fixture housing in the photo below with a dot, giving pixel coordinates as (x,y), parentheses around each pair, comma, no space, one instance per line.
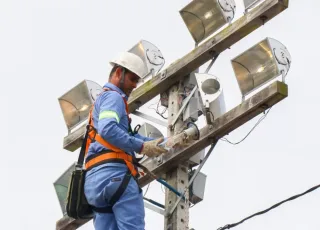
(61,186)
(248,4)
(151,56)
(204,17)
(197,188)
(148,130)
(260,64)
(211,94)
(77,102)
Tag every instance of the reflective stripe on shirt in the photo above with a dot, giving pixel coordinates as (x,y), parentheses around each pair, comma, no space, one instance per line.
(109,114)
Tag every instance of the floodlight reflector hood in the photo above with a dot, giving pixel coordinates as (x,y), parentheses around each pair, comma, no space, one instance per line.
(149,130)
(204,17)
(150,54)
(261,63)
(250,3)
(61,186)
(77,102)
(211,93)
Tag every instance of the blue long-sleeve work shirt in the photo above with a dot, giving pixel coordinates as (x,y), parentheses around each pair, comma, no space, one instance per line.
(111,121)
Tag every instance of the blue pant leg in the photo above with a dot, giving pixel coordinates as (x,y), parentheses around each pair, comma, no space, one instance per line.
(104,221)
(129,210)
(100,184)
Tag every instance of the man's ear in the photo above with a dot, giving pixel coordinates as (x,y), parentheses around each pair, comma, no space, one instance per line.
(118,73)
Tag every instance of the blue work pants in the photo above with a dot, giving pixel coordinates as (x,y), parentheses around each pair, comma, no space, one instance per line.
(128,212)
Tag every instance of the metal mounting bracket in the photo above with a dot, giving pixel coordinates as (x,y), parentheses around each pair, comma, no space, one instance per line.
(150,118)
(163,74)
(185,103)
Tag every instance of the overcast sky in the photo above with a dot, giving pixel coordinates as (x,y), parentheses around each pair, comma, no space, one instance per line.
(48,47)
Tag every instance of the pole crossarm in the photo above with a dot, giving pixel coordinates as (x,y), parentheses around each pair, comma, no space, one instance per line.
(206,51)
(223,125)
(68,223)
(193,60)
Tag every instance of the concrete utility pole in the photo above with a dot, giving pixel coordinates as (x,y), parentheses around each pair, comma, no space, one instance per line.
(178,177)
(173,165)
(225,124)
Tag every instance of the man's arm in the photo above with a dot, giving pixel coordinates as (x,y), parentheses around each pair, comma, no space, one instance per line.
(137,135)
(112,108)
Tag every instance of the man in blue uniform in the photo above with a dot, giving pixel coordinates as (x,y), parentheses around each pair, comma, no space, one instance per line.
(110,186)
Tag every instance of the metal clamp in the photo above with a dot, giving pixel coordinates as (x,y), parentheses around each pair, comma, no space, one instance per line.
(163,74)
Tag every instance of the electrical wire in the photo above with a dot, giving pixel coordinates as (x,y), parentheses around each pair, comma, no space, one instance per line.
(157,109)
(149,107)
(258,122)
(163,111)
(228,226)
(146,190)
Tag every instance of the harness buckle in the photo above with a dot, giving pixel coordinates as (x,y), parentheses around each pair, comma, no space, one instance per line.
(91,128)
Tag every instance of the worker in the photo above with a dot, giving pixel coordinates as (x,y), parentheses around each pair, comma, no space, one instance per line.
(111,180)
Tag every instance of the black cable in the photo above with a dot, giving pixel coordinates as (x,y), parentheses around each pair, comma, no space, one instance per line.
(258,122)
(163,111)
(228,226)
(149,107)
(157,109)
(162,116)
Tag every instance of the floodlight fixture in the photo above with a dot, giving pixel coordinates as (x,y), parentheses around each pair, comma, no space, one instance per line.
(150,131)
(77,102)
(248,4)
(61,186)
(211,96)
(204,17)
(260,64)
(151,56)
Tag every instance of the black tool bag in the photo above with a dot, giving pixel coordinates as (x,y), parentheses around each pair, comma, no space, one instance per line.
(77,205)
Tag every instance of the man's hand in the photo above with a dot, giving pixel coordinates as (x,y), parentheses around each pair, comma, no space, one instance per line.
(151,148)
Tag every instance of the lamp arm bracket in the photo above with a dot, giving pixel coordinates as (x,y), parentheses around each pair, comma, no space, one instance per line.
(213,60)
(185,103)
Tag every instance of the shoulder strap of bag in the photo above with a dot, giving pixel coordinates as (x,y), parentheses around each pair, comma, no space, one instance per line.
(82,151)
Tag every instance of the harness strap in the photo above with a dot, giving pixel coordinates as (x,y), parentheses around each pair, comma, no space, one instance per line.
(94,136)
(116,196)
(115,154)
(105,157)
(107,209)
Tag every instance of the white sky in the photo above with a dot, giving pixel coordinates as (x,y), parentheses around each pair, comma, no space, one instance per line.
(47,47)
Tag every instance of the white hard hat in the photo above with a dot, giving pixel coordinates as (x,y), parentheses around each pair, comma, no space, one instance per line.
(131,62)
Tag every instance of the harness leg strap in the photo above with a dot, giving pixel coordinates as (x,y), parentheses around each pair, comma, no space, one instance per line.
(103,210)
(116,196)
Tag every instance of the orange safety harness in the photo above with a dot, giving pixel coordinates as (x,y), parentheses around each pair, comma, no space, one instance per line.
(114,154)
